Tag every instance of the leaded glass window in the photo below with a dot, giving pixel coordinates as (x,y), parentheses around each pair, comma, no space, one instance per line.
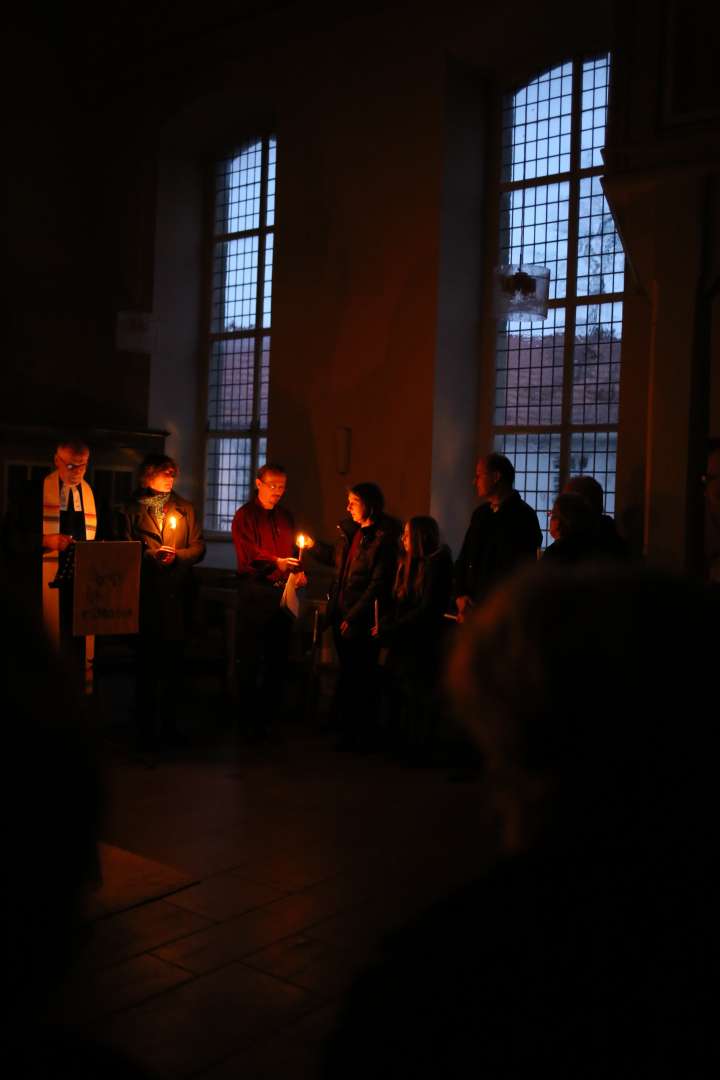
(240,334)
(557,380)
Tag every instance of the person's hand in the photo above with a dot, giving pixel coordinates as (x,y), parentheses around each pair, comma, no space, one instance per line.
(344,628)
(57,541)
(374,632)
(166,555)
(464,604)
(287,566)
(300,579)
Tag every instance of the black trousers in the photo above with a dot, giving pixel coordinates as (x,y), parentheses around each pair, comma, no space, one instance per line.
(357,696)
(263,647)
(158,690)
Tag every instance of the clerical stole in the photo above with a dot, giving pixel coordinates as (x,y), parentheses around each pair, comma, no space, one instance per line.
(51,525)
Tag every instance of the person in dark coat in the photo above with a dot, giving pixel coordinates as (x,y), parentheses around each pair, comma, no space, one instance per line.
(503,534)
(168,528)
(414,632)
(364,557)
(573,527)
(608,542)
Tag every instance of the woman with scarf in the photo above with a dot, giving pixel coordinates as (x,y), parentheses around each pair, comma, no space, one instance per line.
(168,529)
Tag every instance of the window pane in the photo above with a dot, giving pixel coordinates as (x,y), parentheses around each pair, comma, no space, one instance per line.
(595,83)
(272,155)
(529,371)
(234,292)
(534,231)
(536,458)
(536,127)
(267,283)
(231,383)
(596,364)
(594,453)
(264,381)
(229,467)
(237,191)
(601,259)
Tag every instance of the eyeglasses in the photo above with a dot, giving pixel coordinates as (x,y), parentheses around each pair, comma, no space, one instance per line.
(71,466)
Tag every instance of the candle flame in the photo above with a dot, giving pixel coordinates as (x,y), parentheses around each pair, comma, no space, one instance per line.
(301,541)
(172,520)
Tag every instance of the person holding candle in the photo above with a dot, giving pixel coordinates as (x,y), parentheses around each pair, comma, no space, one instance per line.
(265,542)
(168,527)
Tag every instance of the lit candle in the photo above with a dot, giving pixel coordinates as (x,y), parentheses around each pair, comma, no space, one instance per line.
(300,541)
(172,522)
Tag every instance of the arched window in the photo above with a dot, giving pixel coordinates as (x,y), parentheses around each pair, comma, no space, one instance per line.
(557,380)
(240,328)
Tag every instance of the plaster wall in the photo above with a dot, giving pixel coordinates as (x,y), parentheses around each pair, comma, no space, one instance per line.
(385,203)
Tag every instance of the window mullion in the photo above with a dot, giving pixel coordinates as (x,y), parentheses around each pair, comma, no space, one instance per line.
(571,287)
(260,302)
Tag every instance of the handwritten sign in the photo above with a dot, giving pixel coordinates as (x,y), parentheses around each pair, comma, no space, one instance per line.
(106,587)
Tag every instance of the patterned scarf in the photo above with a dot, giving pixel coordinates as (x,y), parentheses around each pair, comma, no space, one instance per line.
(155,502)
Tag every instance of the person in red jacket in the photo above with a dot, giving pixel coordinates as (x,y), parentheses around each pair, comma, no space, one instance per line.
(263,533)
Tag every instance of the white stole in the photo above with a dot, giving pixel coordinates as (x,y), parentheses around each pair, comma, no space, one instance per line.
(51,525)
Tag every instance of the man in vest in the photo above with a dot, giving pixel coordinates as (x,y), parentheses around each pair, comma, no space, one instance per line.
(68,515)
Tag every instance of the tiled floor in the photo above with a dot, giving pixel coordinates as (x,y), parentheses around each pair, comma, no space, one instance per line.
(245,885)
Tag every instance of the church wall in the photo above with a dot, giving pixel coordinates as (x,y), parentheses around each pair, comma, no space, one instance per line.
(366,315)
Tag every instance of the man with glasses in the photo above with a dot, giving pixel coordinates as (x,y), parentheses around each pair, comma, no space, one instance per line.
(264,537)
(68,514)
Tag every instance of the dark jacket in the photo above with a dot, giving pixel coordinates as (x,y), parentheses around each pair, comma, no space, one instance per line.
(599,544)
(370,575)
(163,589)
(415,629)
(496,543)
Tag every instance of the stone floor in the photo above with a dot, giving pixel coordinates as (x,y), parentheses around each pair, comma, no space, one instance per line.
(244,885)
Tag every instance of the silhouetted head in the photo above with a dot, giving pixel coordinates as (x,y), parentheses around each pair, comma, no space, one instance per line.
(589,488)
(571,515)
(586,690)
(494,476)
